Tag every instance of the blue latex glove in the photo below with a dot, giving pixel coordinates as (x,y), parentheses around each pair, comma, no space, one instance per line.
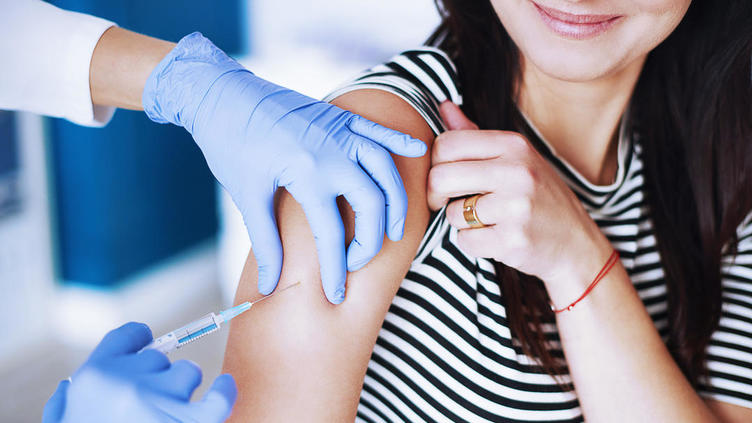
(257,136)
(118,384)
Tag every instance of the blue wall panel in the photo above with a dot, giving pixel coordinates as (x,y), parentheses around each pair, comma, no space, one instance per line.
(135,192)
(221,21)
(10,195)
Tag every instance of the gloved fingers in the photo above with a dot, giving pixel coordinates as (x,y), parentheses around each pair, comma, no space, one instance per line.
(396,142)
(367,202)
(380,166)
(214,407)
(126,339)
(148,361)
(55,407)
(266,246)
(218,400)
(179,380)
(328,231)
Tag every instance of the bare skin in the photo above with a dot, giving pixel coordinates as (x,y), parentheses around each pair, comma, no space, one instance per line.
(120,66)
(297,357)
(577,137)
(613,364)
(318,353)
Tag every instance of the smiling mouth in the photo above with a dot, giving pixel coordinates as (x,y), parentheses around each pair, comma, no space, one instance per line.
(573,26)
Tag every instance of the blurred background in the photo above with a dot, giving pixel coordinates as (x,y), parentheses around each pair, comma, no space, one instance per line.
(103,226)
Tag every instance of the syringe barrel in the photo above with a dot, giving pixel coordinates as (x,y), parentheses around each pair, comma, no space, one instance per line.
(197,329)
(186,334)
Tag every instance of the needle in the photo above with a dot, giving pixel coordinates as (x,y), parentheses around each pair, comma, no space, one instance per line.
(201,327)
(275,292)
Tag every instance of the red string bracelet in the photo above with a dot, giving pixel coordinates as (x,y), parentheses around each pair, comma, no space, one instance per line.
(612,259)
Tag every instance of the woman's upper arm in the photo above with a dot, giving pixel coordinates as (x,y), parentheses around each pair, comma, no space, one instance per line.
(296,357)
(729,413)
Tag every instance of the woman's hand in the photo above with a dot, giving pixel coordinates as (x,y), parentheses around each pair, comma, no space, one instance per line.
(534,222)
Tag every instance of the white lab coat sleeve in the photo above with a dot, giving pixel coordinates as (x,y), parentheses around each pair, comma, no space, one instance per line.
(45,55)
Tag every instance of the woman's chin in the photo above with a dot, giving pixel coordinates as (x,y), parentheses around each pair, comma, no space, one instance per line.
(574,66)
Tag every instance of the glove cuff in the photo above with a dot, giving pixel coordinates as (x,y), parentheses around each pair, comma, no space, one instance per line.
(176,86)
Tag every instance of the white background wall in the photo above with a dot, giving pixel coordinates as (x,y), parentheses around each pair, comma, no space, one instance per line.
(26,284)
(347,29)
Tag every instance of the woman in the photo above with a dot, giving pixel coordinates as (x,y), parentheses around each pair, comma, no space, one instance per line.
(608,127)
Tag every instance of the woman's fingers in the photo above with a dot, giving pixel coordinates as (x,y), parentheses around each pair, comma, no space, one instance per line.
(459,179)
(480,242)
(454,146)
(484,210)
(491,209)
(454,118)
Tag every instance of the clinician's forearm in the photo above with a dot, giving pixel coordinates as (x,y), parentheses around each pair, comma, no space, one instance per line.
(619,365)
(121,63)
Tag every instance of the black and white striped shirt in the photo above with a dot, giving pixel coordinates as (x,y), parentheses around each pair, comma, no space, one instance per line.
(445,352)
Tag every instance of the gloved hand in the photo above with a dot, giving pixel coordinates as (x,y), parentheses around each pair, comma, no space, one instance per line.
(118,384)
(257,136)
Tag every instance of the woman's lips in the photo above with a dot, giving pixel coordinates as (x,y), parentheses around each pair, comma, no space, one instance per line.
(578,27)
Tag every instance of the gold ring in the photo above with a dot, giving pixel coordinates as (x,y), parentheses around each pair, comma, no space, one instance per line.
(469,212)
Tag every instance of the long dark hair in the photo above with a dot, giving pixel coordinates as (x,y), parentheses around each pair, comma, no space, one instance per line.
(692,111)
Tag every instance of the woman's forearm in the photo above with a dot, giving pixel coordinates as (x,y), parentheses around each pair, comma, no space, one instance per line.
(620,367)
(533,222)
(121,63)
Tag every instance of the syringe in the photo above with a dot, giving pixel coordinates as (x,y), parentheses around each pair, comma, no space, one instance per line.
(203,326)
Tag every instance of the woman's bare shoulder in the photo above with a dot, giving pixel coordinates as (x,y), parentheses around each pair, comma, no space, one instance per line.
(296,357)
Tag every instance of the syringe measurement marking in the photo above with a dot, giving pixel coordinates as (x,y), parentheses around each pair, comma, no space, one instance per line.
(167,343)
(197,334)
